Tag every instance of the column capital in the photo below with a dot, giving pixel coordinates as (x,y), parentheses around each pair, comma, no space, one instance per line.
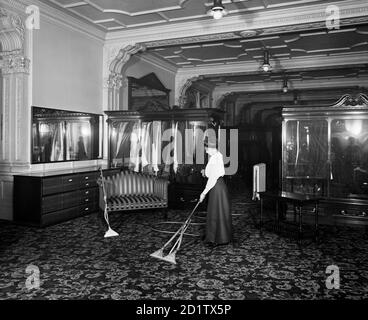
(14,64)
(115,80)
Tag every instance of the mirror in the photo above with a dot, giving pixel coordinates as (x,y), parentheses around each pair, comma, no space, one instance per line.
(61,135)
(147,93)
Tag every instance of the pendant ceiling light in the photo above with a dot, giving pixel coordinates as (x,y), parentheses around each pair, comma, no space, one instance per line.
(218,10)
(266,61)
(285,86)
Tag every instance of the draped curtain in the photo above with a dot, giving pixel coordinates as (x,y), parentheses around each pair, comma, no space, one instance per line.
(120,145)
(57,135)
(172,156)
(143,142)
(146,144)
(156,145)
(135,146)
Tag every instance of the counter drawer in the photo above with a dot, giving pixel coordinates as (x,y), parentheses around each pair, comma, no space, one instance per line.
(52,185)
(52,203)
(71,182)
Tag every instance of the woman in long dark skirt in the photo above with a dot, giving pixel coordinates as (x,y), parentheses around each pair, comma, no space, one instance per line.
(219,223)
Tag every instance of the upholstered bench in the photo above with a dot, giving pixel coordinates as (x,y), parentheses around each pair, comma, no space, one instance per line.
(129,190)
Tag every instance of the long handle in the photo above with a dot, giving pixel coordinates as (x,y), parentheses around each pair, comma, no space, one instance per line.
(182,228)
(106,216)
(103,185)
(193,210)
(172,238)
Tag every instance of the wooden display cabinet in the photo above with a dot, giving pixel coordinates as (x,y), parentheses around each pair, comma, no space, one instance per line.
(144,128)
(325,153)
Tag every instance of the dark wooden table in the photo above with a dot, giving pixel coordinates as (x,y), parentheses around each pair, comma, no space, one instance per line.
(298,200)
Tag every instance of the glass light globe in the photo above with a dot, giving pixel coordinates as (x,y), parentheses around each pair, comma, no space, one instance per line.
(266,67)
(217,14)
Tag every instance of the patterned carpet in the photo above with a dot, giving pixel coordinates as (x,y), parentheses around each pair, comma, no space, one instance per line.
(76,262)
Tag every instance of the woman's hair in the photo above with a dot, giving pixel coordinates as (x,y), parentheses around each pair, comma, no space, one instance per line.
(210,143)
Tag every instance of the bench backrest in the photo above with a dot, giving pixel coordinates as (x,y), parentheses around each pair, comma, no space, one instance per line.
(133,183)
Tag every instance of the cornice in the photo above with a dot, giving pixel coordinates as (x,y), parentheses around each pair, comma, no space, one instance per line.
(158,63)
(286,63)
(17,6)
(57,16)
(236,23)
(253,33)
(294,85)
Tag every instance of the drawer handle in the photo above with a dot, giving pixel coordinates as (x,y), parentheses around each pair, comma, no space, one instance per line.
(194,200)
(87,184)
(86,178)
(87,192)
(70,180)
(86,209)
(86,200)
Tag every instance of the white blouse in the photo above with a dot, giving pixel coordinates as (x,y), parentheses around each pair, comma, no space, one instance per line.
(214,170)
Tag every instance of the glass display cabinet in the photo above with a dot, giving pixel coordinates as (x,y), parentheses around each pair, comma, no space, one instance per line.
(325,153)
(140,141)
(60,135)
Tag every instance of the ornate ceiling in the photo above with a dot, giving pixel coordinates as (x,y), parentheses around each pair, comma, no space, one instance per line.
(356,72)
(113,15)
(298,51)
(281,47)
(284,49)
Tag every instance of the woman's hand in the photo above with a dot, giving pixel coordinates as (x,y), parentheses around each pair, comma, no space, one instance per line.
(203,173)
(202,196)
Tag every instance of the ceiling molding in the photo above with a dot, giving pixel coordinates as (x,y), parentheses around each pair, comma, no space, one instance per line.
(282,48)
(15,5)
(285,64)
(253,33)
(236,23)
(159,63)
(270,97)
(62,19)
(295,85)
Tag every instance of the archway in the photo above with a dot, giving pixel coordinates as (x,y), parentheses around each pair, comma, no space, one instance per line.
(116,69)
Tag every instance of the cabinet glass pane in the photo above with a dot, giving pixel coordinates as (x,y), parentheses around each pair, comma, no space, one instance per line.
(120,140)
(349,157)
(193,154)
(305,156)
(61,135)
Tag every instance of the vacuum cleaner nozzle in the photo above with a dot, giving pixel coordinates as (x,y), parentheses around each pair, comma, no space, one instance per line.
(110,233)
(159,254)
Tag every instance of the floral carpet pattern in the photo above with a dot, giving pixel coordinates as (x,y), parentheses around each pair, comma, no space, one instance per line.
(76,262)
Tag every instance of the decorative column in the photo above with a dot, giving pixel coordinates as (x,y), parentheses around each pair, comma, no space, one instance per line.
(15,142)
(114,83)
(15,111)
